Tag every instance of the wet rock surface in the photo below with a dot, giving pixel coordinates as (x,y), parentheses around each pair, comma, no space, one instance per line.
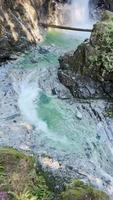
(11,122)
(102,4)
(99,6)
(18,27)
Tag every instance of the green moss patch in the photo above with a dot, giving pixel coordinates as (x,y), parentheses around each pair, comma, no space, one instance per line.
(18,177)
(102,41)
(80,191)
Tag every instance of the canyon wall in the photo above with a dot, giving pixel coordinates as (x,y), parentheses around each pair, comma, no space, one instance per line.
(19,23)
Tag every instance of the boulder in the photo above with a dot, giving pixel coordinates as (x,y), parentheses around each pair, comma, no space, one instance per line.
(88,71)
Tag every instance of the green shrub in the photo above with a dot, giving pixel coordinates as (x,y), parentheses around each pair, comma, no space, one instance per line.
(102,39)
(19,179)
(77,190)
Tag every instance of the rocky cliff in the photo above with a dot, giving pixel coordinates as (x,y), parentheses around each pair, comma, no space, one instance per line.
(19,23)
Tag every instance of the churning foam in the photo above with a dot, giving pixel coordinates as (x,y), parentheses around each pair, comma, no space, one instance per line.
(28,92)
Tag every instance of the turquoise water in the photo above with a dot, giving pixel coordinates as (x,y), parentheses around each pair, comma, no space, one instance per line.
(67,133)
(56,119)
(57,131)
(55,44)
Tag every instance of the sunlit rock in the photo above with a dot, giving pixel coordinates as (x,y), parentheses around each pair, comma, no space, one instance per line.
(20,21)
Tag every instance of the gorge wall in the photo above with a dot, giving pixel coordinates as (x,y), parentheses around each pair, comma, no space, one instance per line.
(97,6)
(105,4)
(19,23)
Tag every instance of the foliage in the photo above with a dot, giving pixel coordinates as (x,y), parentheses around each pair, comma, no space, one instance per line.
(103,57)
(25,195)
(77,190)
(19,179)
(109,111)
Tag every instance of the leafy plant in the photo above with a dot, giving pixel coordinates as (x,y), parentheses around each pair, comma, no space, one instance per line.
(25,195)
(103,57)
(17,171)
(78,190)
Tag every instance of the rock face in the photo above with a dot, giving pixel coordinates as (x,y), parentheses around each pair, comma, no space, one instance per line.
(19,23)
(88,72)
(104,4)
(96,6)
(59,12)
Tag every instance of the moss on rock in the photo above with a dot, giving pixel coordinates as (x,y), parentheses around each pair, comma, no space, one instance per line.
(18,177)
(90,67)
(80,191)
(101,40)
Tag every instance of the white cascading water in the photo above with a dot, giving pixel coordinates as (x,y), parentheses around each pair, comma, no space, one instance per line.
(80,14)
(76,15)
(29,93)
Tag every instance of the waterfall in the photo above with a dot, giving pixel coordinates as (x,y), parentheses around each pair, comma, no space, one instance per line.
(73,13)
(80,13)
(76,14)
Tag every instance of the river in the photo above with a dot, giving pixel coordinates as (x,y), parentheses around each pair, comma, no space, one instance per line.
(39,115)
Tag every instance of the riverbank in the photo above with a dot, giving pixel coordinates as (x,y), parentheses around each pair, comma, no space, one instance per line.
(21,179)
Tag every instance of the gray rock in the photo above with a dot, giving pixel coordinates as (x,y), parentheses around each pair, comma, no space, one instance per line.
(79,114)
